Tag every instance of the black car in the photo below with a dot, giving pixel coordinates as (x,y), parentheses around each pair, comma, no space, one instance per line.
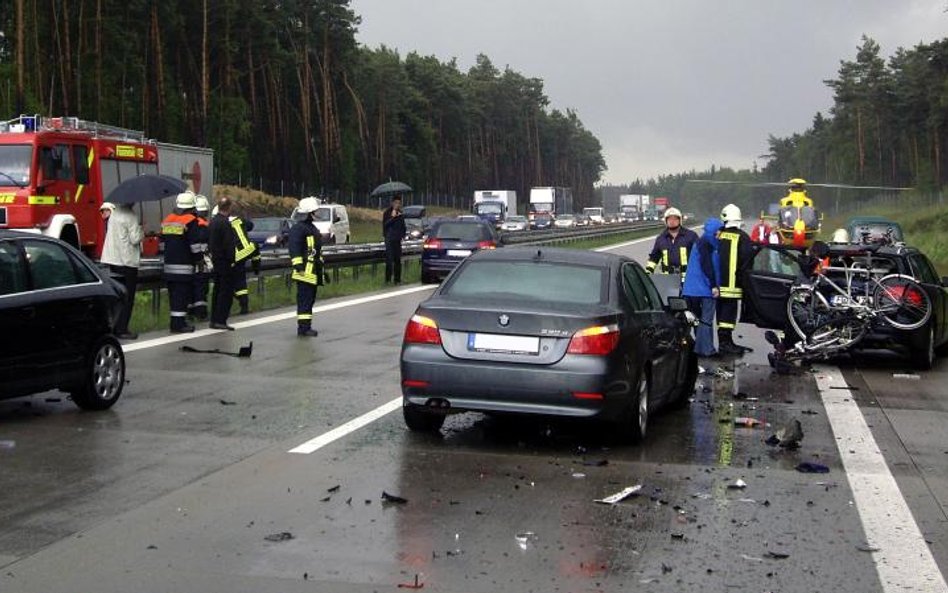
(547,331)
(270,232)
(57,314)
(541,222)
(449,242)
(774,270)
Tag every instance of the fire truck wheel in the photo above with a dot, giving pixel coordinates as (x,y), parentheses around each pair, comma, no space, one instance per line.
(104,370)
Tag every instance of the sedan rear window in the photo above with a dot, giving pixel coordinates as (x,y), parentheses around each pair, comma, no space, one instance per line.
(462,232)
(529,282)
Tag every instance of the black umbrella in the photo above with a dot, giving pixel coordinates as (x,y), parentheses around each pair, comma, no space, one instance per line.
(390,188)
(146,188)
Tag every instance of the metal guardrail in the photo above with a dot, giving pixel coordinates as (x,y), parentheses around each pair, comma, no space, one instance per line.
(277,261)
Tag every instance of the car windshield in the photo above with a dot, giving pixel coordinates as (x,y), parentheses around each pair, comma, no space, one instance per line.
(323,215)
(15,162)
(266,225)
(460,231)
(413,211)
(488,208)
(528,282)
(567,217)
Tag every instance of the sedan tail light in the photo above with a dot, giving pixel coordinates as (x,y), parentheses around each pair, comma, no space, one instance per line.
(422,330)
(487,245)
(598,340)
(433,244)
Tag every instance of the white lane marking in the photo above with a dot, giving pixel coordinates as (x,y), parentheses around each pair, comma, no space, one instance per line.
(349,427)
(626,244)
(272,318)
(904,561)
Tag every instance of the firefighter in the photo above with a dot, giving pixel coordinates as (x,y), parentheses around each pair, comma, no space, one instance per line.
(735,251)
(202,274)
(305,245)
(182,249)
(246,251)
(672,247)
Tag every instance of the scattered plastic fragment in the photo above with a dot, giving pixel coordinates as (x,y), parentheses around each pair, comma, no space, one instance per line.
(619,496)
(788,437)
(678,536)
(665,568)
(810,412)
(868,548)
(279,537)
(152,547)
(747,500)
(243,352)
(526,538)
(334,489)
(751,558)
(596,462)
(777,555)
(746,421)
(224,402)
(326,499)
(906,376)
(723,374)
(738,484)
(811,467)
(391,498)
(579,475)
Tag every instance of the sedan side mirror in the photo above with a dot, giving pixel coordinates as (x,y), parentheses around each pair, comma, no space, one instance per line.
(677,304)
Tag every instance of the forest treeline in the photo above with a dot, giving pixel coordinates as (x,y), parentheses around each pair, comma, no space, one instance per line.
(888,126)
(284,93)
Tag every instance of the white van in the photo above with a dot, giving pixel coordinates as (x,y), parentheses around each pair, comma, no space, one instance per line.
(332,220)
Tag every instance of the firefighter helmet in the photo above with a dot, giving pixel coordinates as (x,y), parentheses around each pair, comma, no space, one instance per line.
(107,206)
(672,212)
(201,203)
(731,215)
(840,236)
(184,201)
(308,205)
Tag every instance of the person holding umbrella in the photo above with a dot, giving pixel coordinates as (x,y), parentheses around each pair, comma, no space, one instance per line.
(121,251)
(393,230)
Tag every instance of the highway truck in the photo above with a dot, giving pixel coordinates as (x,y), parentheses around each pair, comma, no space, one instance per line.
(55,172)
(550,200)
(494,206)
(634,206)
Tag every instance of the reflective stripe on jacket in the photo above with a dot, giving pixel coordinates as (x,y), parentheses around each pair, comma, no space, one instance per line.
(245,247)
(672,252)
(305,245)
(735,250)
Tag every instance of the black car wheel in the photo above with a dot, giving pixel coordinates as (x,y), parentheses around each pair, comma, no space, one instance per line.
(633,423)
(420,420)
(923,356)
(104,376)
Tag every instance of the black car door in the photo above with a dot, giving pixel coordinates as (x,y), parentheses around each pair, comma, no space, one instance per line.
(657,331)
(22,350)
(766,283)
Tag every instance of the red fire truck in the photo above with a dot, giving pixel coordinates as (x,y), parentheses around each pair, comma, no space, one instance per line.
(55,173)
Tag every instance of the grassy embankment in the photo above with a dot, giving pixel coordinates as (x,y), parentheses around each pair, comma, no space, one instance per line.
(269,292)
(924,222)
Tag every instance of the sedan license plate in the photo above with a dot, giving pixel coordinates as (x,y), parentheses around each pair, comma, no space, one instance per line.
(459,252)
(503,344)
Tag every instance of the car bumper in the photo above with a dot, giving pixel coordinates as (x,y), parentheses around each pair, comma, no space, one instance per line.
(473,385)
(441,265)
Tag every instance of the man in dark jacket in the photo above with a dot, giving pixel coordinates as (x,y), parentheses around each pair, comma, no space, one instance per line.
(180,237)
(305,244)
(393,230)
(672,247)
(222,246)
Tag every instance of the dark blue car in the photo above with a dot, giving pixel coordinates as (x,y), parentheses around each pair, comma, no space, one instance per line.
(450,242)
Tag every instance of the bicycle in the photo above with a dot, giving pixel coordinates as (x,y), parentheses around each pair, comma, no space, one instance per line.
(829,317)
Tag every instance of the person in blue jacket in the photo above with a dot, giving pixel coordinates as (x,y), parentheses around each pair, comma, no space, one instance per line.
(702,285)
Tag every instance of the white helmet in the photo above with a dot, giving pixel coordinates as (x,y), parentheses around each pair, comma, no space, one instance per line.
(184,201)
(672,212)
(107,206)
(214,211)
(308,205)
(201,203)
(731,215)
(840,236)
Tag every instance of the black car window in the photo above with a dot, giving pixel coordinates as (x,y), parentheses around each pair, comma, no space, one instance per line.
(462,231)
(84,273)
(634,288)
(529,282)
(922,269)
(775,262)
(50,265)
(651,293)
(12,270)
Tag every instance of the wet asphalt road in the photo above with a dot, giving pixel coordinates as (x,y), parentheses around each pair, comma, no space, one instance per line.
(178,486)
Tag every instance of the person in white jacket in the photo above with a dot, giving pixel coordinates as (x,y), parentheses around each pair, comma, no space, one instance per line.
(122,252)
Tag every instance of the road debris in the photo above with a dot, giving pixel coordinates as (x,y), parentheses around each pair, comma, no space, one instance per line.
(776,555)
(579,475)
(619,496)
(810,412)
(909,376)
(243,352)
(526,538)
(393,499)
(722,373)
(751,558)
(334,489)
(811,467)
(224,402)
(596,462)
(415,585)
(738,484)
(864,547)
(7,444)
(283,536)
(746,422)
(788,437)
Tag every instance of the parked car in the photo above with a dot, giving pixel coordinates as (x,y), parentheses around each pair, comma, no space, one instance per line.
(415,221)
(515,223)
(874,229)
(542,222)
(451,241)
(332,220)
(554,332)
(270,232)
(565,221)
(583,220)
(775,269)
(58,313)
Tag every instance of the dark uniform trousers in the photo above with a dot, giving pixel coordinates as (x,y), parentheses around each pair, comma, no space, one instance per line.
(239,281)
(223,294)
(393,260)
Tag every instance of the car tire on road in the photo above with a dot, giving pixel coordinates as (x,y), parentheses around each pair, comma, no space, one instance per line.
(633,423)
(924,355)
(420,420)
(104,376)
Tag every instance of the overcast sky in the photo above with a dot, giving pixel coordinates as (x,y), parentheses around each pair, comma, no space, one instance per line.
(669,85)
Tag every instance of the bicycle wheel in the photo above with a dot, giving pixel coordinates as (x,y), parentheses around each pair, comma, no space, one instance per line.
(902,301)
(837,334)
(806,310)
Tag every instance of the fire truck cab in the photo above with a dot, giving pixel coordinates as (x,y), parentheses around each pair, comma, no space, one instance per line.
(55,173)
